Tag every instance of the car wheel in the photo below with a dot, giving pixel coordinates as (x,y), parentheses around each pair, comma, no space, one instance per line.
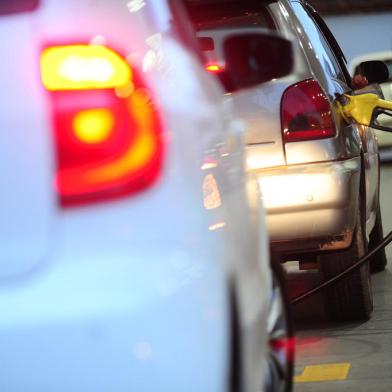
(379,260)
(280,332)
(351,299)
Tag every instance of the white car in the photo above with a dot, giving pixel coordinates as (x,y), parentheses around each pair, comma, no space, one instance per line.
(384,138)
(134,250)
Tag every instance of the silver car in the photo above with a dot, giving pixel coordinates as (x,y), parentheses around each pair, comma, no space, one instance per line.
(319,174)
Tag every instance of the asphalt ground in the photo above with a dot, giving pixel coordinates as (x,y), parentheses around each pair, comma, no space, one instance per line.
(348,356)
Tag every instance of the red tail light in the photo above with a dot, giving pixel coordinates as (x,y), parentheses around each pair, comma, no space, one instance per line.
(285,344)
(107,130)
(214,68)
(306,113)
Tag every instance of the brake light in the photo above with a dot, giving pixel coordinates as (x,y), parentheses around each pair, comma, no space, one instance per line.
(306,113)
(214,68)
(93,125)
(77,67)
(107,130)
(285,344)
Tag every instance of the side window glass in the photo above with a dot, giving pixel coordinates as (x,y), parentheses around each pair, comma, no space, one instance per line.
(333,44)
(320,45)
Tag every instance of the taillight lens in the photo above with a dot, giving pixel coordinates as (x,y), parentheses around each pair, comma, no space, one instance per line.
(214,68)
(107,129)
(306,113)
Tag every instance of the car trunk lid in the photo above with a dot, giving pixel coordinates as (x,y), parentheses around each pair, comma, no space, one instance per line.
(259,107)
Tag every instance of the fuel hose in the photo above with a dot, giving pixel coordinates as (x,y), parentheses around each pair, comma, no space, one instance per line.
(344,273)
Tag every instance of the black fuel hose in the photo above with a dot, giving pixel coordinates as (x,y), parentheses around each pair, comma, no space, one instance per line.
(344,273)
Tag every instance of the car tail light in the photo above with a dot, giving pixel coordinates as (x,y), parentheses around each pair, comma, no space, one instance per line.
(107,129)
(285,345)
(306,113)
(214,68)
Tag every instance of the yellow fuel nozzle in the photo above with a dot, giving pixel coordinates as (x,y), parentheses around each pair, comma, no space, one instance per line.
(361,108)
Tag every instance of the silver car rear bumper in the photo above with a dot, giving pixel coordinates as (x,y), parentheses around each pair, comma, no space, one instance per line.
(311,207)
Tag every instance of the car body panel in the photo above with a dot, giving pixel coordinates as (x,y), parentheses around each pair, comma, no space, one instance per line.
(27,203)
(317,197)
(103,334)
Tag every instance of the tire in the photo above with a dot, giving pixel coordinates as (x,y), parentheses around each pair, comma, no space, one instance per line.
(281,340)
(351,299)
(379,260)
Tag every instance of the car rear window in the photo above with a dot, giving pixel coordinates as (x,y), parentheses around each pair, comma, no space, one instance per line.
(16,6)
(225,15)
(229,14)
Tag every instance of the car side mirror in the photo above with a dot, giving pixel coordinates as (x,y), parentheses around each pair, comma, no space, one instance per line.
(382,119)
(255,58)
(375,71)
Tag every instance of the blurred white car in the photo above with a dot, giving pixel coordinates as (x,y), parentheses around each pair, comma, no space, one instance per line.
(386,57)
(384,138)
(134,250)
